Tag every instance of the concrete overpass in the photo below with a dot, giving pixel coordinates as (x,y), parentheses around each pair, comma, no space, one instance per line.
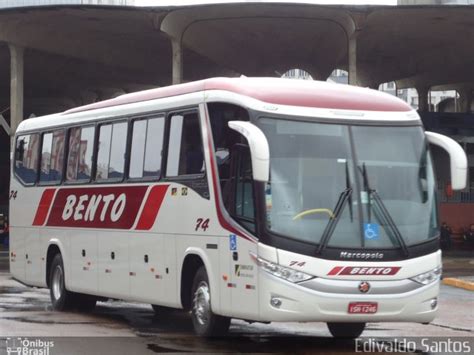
(74,54)
(59,54)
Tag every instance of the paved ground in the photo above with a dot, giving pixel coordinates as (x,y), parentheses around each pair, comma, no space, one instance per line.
(458,264)
(4,261)
(125,328)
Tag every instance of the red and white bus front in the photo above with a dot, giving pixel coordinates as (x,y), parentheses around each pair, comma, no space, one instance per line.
(346,221)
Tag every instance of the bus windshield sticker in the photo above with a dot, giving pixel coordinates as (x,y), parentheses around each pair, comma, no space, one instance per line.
(371,231)
(268,203)
(233,242)
(364,197)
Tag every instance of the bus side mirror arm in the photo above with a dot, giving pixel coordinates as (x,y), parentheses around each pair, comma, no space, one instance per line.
(259,149)
(457,157)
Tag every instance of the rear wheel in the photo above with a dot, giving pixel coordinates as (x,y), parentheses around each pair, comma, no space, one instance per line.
(346,330)
(205,322)
(61,298)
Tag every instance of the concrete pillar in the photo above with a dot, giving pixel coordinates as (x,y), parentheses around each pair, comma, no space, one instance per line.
(423,105)
(316,75)
(352,56)
(465,98)
(16,87)
(177,61)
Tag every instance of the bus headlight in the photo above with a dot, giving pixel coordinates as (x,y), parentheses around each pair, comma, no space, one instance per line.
(428,277)
(281,271)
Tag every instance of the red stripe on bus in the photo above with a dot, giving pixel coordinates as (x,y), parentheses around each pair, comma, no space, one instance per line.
(365,270)
(43,207)
(309,94)
(370,270)
(335,270)
(97,207)
(152,207)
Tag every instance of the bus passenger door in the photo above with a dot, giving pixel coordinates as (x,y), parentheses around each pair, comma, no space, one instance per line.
(243,269)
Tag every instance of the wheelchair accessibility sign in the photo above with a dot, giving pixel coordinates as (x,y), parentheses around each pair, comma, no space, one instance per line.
(233,242)
(371,231)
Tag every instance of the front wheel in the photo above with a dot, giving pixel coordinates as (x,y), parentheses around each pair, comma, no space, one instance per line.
(205,322)
(346,330)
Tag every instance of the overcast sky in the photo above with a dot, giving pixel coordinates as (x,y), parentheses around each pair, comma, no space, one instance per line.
(190,2)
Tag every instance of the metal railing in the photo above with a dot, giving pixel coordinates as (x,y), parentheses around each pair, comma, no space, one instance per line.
(446,195)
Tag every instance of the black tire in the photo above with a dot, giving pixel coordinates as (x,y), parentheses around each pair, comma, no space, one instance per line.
(346,330)
(61,299)
(205,322)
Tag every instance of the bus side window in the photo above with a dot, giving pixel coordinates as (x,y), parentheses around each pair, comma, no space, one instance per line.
(52,155)
(26,158)
(220,114)
(244,200)
(81,147)
(185,150)
(147,145)
(111,151)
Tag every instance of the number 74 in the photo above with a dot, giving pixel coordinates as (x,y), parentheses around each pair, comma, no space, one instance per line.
(202,223)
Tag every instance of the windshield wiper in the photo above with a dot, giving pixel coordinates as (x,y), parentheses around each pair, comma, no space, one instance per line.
(368,190)
(348,186)
(345,196)
(385,218)
(328,231)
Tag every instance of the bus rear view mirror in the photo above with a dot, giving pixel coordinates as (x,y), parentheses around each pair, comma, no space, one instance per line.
(259,150)
(457,157)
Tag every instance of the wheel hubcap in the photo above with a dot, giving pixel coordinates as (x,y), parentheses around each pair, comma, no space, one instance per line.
(57,283)
(202,303)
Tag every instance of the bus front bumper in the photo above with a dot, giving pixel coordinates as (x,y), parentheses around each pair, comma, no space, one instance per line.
(281,300)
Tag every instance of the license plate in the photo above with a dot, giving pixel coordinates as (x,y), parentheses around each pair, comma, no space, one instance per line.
(362,307)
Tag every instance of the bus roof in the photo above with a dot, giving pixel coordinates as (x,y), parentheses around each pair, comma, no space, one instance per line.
(291,92)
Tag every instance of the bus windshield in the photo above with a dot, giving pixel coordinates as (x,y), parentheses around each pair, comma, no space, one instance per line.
(349,186)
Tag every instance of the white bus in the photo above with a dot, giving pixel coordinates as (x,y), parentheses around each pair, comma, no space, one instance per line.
(250,198)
